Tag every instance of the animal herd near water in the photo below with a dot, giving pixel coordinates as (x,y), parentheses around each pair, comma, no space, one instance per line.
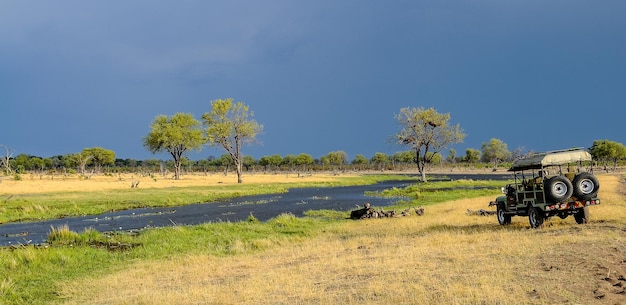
(368,212)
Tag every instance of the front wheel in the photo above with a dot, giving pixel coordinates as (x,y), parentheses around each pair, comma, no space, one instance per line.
(503,218)
(535,217)
(582,216)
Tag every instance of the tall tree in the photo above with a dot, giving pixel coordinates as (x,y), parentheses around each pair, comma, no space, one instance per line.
(495,151)
(230,125)
(426,132)
(176,135)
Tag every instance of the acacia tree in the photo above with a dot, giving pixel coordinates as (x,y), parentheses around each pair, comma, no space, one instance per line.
(495,151)
(230,125)
(175,135)
(426,132)
(81,159)
(101,157)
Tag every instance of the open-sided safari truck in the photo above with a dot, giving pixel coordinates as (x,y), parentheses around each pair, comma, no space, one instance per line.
(556,183)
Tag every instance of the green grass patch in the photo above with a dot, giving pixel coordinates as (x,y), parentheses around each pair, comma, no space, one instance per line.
(30,273)
(428,193)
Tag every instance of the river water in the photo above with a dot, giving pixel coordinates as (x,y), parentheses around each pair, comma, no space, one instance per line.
(264,207)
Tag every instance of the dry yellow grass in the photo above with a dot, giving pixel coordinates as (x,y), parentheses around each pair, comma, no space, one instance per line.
(444,257)
(33,184)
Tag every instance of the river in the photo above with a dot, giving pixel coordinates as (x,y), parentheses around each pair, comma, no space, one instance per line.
(264,207)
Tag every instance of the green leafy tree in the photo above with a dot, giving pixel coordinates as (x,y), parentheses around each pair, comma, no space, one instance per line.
(23,161)
(335,158)
(426,131)
(303,160)
(472,156)
(360,160)
(224,160)
(37,163)
(380,159)
(230,125)
(289,161)
(403,157)
(270,162)
(82,159)
(176,135)
(495,151)
(608,151)
(101,157)
(451,158)
(249,162)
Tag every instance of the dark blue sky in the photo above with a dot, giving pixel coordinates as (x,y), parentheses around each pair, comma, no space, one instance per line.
(320,76)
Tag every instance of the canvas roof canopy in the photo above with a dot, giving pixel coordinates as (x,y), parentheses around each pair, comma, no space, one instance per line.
(558,157)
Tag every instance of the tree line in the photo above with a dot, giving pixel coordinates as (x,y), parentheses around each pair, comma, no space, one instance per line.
(493,154)
(230,125)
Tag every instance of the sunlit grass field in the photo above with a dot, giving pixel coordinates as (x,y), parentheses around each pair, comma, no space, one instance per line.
(444,257)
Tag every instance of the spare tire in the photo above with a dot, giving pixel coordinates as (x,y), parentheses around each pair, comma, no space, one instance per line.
(586,186)
(558,189)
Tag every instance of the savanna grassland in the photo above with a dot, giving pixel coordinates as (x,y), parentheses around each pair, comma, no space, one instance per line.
(446,256)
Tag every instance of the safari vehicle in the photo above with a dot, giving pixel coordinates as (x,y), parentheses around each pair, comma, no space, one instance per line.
(556,183)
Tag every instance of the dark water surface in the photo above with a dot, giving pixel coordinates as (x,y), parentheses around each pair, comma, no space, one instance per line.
(263,207)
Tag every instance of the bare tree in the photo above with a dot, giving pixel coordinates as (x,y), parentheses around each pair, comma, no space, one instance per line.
(6,158)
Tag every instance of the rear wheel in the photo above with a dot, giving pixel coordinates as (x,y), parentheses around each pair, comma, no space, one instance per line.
(586,186)
(582,216)
(558,188)
(503,218)
(535,217)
